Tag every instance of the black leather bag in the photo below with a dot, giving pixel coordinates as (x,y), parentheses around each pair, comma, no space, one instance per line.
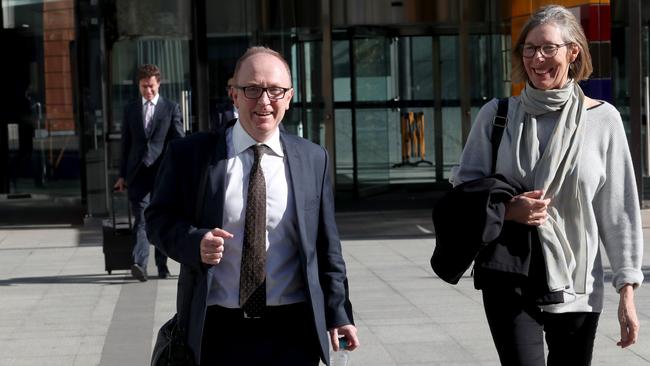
(457,246)
(170,348)
(467,219)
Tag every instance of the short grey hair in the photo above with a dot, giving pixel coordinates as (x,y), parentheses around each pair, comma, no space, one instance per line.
(572,32)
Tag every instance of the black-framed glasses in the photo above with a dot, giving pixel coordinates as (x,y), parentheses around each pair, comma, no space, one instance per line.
(254,92)
(547,50)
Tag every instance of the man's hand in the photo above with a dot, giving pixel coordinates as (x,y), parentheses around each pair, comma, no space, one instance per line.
(349,332)
(120,185)
(528,208)
(212,245)
(627,317)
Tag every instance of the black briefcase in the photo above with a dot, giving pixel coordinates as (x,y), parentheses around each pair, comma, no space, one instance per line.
(118,236)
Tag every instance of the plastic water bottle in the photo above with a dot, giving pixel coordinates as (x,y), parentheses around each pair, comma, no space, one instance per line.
(342,357)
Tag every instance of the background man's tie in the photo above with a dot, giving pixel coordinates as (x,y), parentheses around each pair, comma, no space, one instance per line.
(252,282)
(148,113)
(149,108)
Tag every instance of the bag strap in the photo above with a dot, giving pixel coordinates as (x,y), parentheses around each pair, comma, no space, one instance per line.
(498,126)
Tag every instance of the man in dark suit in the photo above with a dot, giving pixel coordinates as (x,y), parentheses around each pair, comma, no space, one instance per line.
(149,124)
(225,111)
(248,212)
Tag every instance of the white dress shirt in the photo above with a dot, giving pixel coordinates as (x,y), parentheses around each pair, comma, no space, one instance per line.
(284,282)
(154,101)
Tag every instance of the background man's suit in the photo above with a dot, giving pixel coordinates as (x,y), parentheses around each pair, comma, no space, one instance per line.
(139,144)
(176,225)
(221,114)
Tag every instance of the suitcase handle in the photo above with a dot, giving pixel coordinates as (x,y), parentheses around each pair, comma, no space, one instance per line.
(128,210)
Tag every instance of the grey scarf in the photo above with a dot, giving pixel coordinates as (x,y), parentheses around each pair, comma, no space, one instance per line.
(556,171)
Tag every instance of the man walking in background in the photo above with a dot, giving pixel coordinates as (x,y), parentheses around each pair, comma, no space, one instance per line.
(225,111)
(149,123)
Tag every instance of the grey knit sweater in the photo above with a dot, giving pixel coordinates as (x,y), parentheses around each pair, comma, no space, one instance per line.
(613,218)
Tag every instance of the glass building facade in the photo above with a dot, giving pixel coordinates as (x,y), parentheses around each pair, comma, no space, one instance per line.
(390,88)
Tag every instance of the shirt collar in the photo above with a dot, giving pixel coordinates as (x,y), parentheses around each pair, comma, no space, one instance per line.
(154,100)
(242,140)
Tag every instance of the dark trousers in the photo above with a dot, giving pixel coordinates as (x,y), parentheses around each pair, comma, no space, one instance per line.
(285,335)
(518,327)
(141,247)
(139,194)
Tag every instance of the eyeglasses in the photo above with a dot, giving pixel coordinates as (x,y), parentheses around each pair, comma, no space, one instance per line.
(548,50)
(254,92)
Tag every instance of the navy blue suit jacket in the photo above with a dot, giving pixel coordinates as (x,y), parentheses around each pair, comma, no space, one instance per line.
(176,222)
(167,126)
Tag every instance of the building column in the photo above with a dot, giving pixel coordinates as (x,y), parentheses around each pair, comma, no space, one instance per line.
(635,80)
(327,90)
(465,77)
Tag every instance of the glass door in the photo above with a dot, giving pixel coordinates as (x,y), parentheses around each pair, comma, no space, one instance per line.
(305,117)
(384,112)
(148,32)
(172,57)
(39,139)
(397,100)
(413,128)
(373,88)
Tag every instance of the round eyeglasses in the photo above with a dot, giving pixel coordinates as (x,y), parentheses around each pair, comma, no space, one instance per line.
(254,92)
(547,50)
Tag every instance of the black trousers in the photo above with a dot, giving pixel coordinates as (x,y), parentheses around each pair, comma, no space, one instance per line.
(518,327)
(285,335)
(139,192)
(141,247)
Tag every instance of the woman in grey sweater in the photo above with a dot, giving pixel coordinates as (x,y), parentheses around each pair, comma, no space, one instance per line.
(570,154)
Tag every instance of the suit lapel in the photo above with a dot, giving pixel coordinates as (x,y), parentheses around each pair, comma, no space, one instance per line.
(138,118)
(296,166)
(216,182)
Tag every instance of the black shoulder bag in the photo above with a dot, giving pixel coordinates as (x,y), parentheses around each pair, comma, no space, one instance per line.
(447,261)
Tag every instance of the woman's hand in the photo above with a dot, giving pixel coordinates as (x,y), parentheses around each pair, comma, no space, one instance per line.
(528,208)
(627,317)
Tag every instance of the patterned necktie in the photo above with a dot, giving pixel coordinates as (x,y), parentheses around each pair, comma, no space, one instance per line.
(252,281)
(148,113)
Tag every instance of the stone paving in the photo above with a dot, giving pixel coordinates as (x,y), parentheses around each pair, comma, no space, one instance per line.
(58,306)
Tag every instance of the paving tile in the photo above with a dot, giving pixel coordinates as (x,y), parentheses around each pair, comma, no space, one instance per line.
(57,305)
(53,360)
(444,351)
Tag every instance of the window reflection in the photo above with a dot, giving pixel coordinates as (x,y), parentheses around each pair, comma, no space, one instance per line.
(40,151)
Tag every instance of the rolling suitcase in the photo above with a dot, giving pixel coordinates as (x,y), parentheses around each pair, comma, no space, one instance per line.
(118,240)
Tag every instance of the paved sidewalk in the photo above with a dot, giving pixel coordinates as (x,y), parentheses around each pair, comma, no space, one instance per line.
(58,306)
